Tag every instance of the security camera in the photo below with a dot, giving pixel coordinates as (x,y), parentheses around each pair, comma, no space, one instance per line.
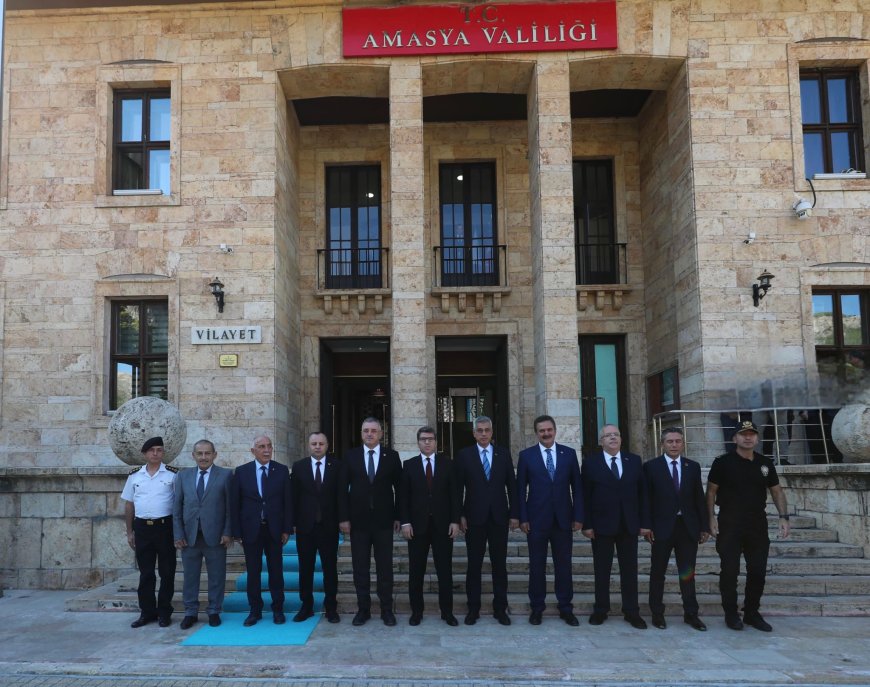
(226,249)
(802,208)
(749,239)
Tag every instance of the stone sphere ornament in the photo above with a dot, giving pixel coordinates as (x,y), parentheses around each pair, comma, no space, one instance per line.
(850,430)
(141,418)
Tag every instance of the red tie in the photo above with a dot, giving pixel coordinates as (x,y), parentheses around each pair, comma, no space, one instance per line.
(429,473)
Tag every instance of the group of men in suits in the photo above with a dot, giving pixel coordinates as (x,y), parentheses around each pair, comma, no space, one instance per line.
(369,495)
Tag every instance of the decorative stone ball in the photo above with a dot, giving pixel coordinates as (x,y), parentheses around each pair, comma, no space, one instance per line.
(141,418)
(850,430)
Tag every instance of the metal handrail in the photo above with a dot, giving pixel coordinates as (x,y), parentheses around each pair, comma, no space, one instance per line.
(601,263)
(702,443)
(488,266)
(353,268)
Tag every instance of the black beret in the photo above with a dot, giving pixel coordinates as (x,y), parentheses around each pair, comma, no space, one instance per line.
(153,441)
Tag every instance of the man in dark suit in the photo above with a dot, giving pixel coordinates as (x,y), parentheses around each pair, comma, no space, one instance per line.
(318,507)
(487,487)
(371,482)
(678,514)
(616,512)
(263,520)
(550,509)
(202,525)
(429,509)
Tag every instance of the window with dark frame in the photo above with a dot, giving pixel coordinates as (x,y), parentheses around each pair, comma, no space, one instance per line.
(841,326)
(469,235)
(139,350)
(663,391)
(141,140)
(353,231)
(831,116)
(598,255)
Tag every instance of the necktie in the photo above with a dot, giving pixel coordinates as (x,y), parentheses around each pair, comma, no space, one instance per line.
(614,468)
(550,467)
(675,475)
(200,485)
(263,476)
(371,466)
(486,466)
(318,478)
(429,473)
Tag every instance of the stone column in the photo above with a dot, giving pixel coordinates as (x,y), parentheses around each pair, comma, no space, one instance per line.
(552,220)
(408,347)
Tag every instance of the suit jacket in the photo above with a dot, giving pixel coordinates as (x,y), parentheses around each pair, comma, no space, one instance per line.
(608,499)
(371,506)
(307,501)
(665,503)
(542,500)
(480,497)
(211,515)
(276,503)
(417,503)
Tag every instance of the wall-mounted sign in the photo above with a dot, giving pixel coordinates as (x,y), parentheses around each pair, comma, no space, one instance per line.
(491,27)
(225,335)
(228,360)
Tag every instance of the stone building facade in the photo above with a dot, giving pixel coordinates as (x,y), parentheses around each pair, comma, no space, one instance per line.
(585,302)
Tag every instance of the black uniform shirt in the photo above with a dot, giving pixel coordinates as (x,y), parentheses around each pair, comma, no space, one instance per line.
(743,485)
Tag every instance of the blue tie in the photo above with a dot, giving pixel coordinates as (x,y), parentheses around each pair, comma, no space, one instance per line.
(486,466)
(550,467)
(200,485)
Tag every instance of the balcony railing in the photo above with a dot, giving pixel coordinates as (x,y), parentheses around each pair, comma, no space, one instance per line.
(353,268)
(789,436)
(601,263)
(471,266)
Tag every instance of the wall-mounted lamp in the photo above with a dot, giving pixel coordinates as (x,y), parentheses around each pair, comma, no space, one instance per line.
(760,289)
(217,290)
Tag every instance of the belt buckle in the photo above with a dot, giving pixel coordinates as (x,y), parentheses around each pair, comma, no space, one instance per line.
(149,522)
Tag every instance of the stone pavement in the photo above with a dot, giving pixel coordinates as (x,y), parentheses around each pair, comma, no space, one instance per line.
(43,645)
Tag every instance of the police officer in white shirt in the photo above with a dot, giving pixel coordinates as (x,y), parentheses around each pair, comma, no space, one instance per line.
(149,494)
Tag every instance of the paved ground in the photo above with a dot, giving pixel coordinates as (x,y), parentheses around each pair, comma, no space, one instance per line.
(42,645)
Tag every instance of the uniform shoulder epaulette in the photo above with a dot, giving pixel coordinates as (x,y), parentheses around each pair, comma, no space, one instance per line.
(172,468)
(134,470)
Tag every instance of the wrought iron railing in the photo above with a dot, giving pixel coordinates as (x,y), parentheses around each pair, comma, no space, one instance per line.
(601,263)
(471,266)
(353,268)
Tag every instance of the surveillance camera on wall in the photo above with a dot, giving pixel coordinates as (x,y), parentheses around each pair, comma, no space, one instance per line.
(802,208)
(749,239)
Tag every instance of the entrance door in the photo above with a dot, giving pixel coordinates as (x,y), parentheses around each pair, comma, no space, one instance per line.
(471,380)
(354,385)
(602,387)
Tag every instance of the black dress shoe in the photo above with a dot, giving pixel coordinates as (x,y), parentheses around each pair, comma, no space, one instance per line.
(143,620)
(733,621)
(252,619)
(569,618)
(658,620)
(303,614)
(214,620)
(333,616)
(635,621)
(450,619)
(415,619)
(165,621)
(535,618)
(388,618)
(502,617)
(187,622)
(597,618)
(694,621)
(360,618)
(472,617)
(756,621)
(278,617)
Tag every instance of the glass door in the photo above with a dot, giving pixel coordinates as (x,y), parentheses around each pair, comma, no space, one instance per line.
(602,387)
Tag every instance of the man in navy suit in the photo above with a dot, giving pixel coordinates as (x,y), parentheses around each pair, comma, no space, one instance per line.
(318,507)
(488,496)
(678,514)
(371,482)
(550,510)
(263,520)
(203,530)
(616,512)
(429,510)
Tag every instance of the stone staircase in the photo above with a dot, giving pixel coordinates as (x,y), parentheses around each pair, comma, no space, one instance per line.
(810,573)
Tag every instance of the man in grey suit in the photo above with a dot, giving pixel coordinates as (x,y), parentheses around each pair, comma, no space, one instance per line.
(201,523)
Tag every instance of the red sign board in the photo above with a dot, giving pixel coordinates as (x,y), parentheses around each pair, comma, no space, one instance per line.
(485,28)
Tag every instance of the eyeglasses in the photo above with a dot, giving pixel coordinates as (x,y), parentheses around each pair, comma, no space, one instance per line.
(612,435)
